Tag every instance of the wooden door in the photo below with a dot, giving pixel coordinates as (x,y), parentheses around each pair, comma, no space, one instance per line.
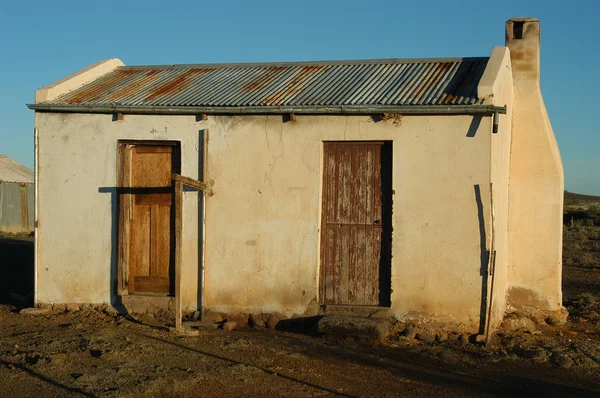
(148,171)
(352,223)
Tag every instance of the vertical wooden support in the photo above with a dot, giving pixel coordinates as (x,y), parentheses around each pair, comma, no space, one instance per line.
(178,250)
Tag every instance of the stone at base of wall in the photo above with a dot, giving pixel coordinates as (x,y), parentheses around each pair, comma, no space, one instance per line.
(352,326)
(555,317)
(138,304)
(431,323)
(163,308)
(74,307)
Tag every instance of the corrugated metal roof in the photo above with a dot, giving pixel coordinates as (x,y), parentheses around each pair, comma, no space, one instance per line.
(359,83)
(11,171)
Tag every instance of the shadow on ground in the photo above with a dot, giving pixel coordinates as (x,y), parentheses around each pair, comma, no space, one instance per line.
(16,270)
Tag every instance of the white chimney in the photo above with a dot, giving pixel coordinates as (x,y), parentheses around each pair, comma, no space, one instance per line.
(523,40)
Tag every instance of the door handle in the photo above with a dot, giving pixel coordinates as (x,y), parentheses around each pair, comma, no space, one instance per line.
(377,222)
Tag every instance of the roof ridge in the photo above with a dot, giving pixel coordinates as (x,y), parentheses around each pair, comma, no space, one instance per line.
(306,63)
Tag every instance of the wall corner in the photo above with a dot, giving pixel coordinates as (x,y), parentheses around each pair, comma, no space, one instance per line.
(489,81)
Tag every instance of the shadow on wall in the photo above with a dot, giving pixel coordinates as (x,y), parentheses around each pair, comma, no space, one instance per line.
(115,192)
(16,271)
(115,299)
(485,256)
(474,126)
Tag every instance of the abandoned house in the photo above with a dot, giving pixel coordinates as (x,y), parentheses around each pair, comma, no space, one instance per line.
(420,188)
(16,196)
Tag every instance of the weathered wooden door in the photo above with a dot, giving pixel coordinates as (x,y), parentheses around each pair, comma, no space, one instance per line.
(147,170)
(352,223)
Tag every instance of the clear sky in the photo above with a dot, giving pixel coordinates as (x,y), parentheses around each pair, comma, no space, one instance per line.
(43,41)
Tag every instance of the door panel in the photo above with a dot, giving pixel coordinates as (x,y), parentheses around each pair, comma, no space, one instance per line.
(351,224)
(150,227)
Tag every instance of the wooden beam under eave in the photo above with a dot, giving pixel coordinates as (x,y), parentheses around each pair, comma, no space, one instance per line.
(289,117)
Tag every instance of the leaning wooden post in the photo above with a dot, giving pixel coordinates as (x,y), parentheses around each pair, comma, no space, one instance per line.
(180,181)
(178,250)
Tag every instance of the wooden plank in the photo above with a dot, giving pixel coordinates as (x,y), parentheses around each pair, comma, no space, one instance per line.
(353,280)
(338,258)
(358,143)
(372,290)
(369,206)
(326,281)
(331,228)
(345,212)
(163,240)
(154,238)
(163,199)
(324,231)
(178,250)
(139,253)
(361,231)
(361,182)
(124,180)
(151,170)
(153,149)
(190,182)
(154,285)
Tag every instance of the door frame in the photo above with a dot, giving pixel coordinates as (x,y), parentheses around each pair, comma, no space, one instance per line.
(123,206)
(385,261)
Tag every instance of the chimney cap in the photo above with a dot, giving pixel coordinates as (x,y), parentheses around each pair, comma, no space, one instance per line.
(523,19)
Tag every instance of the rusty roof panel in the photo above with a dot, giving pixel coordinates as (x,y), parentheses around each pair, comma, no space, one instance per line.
(373,82)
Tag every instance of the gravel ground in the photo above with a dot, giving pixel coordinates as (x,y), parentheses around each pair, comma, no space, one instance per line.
(90,353)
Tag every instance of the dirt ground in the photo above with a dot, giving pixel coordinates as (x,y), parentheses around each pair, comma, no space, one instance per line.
(98,353)
(90,353)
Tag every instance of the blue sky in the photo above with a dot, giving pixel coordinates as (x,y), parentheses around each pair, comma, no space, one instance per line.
(43,41)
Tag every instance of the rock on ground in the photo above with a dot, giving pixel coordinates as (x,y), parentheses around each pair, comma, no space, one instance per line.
(239,319)
(370,328)
(410,332)
(441,336)
(35,311)
(257,321)
(72,307)
(229,326)
(213,317)
(521,323)
(426,337)
(272,321)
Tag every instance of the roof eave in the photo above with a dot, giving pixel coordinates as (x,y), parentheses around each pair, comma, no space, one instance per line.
(276,110)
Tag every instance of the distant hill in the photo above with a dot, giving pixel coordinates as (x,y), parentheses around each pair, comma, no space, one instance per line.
(575,199)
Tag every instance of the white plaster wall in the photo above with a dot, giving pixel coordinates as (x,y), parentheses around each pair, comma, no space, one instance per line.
(536,183)
(262,221)
(77,221)
(500,169)
(536,203)
(262,224)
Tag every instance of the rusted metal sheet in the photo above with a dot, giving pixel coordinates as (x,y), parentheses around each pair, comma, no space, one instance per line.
(16,207)
(385,82)
(351,224)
